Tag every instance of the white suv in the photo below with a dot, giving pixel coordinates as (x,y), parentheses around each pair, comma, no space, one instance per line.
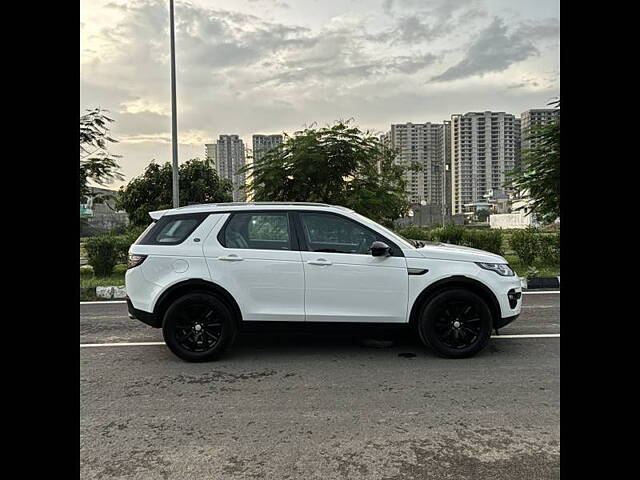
(199,272)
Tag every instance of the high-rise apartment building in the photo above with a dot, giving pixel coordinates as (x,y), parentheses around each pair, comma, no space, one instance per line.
(485,147)
(264,143)
(228,156)
(538,116)
(210,153)
(421,144)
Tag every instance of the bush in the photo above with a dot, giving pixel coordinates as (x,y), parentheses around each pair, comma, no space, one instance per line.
(127,230)
(106,251)
(550,249)
(450,234)
(415,233)
(488,240)
(86,270)
(120,268)
(102,254)
(532,272)
(526,244)
(123,242)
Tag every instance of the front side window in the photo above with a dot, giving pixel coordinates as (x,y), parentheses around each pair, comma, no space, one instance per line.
(334,234)
(259,231)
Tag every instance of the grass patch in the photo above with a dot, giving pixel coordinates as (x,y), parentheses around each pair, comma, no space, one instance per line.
(91,281)
(89,297)
(543,270)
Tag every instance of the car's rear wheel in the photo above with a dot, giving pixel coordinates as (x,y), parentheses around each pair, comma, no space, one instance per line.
(198,327)
(455,323)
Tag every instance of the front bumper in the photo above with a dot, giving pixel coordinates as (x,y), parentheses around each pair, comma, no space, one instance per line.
(503,322)
(145,317)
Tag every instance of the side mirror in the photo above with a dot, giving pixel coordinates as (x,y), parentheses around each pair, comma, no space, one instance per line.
(380,249)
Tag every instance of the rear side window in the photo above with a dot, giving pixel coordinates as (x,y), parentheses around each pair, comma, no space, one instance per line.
(259,231)
(172,229)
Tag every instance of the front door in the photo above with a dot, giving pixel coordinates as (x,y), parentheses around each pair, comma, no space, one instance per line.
(343,281)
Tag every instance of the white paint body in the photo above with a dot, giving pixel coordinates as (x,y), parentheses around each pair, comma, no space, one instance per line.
(293,285)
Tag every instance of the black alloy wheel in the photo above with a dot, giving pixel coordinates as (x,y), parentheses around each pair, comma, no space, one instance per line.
(198,327)
(455,323)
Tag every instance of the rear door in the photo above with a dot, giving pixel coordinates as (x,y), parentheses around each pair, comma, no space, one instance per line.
(343,281)
(255,257)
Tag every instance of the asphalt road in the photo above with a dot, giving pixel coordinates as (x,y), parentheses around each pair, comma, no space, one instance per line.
(318,405)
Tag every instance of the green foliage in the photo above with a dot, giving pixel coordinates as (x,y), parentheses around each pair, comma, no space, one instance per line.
(453,234)
(337,164)
(86,270)
(96,163)
(102,253)
(265,228)
(132,232)
(199,183)
(532,272)
(522,271)
(120,268)
(483,214)
(526,244)
(89,283)
(415,233)
(549,249)
(539,176)
(488,240)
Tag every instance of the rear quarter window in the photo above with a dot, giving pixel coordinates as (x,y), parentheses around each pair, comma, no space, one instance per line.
(172,229)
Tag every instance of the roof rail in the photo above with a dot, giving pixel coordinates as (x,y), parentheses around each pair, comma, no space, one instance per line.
(229,204)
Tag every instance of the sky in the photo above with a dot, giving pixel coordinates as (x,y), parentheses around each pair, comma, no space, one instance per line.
(274,66)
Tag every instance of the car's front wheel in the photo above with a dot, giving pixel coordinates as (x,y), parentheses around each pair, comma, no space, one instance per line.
(455,323)
(198,327)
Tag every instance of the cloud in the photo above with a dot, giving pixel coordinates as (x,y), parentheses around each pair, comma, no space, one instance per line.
(240,71)
(494,50)
(418,21)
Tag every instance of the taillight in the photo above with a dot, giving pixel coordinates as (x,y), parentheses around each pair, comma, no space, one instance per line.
(135,260)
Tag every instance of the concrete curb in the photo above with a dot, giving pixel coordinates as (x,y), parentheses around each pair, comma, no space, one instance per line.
(108,293)
(118,291)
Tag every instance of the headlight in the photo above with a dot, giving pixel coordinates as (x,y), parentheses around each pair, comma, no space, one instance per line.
(500,268)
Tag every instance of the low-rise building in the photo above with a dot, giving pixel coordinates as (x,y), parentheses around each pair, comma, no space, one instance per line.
(520,216)
(99,214)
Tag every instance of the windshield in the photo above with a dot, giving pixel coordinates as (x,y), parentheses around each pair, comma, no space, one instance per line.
(405,243)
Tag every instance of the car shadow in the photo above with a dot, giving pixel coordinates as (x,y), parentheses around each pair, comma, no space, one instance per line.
(327,338)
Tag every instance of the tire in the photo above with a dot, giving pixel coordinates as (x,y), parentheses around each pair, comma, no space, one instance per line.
(198,327)
(455,323)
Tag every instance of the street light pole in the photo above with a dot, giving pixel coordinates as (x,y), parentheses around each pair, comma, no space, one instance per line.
(174,120)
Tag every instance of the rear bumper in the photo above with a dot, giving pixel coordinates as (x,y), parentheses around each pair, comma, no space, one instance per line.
(145,317)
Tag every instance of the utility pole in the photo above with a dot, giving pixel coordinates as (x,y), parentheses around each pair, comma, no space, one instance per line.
(174,113)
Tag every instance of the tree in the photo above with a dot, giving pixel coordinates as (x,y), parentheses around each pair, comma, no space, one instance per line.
(483,214)
(199,183)
(337,164)
(96,163)
(539,175)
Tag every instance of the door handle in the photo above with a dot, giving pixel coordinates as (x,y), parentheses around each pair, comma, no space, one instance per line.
(231,258)
(320,261)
